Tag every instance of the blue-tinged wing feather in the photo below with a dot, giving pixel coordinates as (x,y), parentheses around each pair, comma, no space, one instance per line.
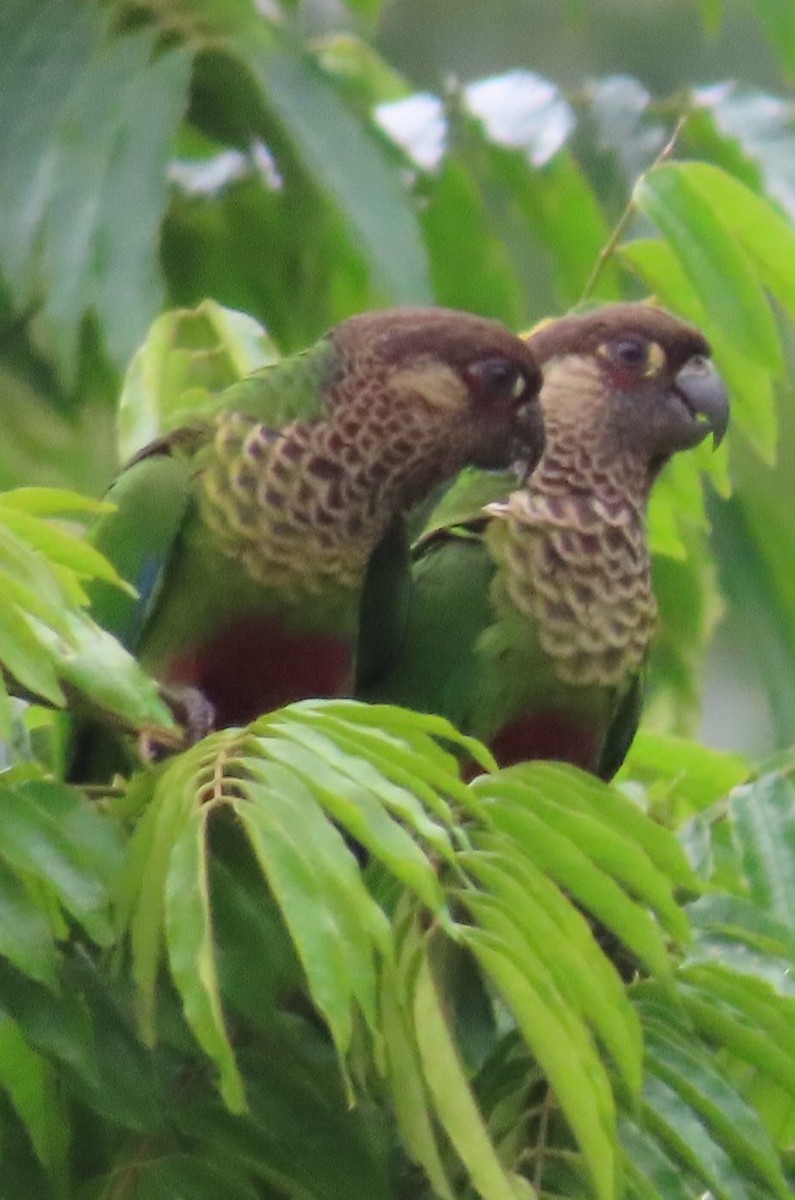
(152,498)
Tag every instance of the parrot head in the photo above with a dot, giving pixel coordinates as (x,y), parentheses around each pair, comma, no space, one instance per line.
(648,373)
(443,387)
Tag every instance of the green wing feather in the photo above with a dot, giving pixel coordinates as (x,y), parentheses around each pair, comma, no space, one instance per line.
(152,498)
(406,605)
(384,608)
(623,728)
(436,669)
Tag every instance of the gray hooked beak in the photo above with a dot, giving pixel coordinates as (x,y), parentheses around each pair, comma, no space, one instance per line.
(704,393)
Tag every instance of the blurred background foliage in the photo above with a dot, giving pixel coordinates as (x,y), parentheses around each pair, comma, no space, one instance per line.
(300,162)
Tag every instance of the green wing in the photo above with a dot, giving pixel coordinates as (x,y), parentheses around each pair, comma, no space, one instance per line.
(436,667)
(384,608)
(419,632)
(623,728)
(152,498)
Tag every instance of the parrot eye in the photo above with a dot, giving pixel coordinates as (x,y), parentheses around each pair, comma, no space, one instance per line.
(628,352)
(498,377)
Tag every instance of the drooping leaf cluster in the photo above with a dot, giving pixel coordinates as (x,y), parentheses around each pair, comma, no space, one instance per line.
(304,959)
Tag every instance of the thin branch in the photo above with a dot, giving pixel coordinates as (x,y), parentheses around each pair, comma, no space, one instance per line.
(542,1147)
(610,245)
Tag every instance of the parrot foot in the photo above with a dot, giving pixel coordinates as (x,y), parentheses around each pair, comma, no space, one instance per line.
(195,714)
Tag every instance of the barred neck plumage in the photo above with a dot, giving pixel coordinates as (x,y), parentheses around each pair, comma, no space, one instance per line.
(307,504)
(571,546)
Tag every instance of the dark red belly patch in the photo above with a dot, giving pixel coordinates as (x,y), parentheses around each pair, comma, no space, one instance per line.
(546,735)
(255,665)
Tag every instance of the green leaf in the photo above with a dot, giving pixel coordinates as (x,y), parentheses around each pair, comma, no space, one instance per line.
(46,640)
(711,14)
(553,932)
(25,657)
(757,580)
(29,588)
(767,237)
(316,882)
(745,940)
(681,1130)
(763,815)
(347,160)
(192,954)
(30,1083)
(59,546)
(370,8)
(776,1106)
(51,502)
(453,215)
(142,881)
(727,1024)
(46,50)
(247,928)
(127,1082)
(585,794)
(690,1071)
(692,775)
(405,739)
(25,934)
(369,81)
(715,265)
(752,125)
(180,1175)
(299,1137)
(561,203)
(58,1025)
(187,355)
(778,22)
(511,809)
(87,152)
(533,991)
(650,1171)
(408,1089)
(739,918)
(569,1062)
(352,791)
(388,770)
(727,1010)
(662,526)
(96,665)
(52,833)
(453,1100)
(108,168)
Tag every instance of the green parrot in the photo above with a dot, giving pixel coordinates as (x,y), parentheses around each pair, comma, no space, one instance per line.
(247,533)
(531,607)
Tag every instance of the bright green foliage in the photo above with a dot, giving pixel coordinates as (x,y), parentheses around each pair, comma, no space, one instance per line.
(188,354)
(297,781)
(48,643)
(304,959)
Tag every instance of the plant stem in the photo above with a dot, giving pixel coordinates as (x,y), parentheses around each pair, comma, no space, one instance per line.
(629,211)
